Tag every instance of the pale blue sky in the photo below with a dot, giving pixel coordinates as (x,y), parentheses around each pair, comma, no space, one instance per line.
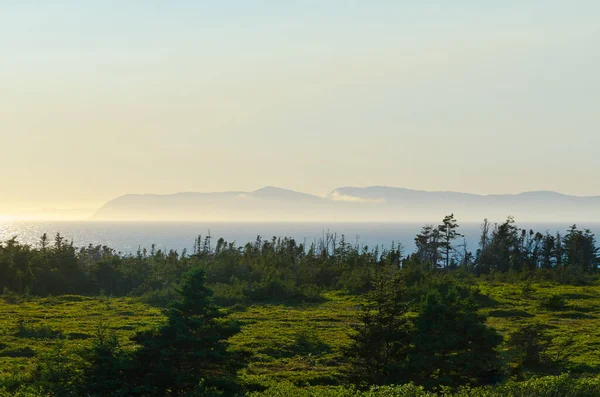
(102,98)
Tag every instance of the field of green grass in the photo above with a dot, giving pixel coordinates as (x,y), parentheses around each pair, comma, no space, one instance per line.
(31,328)
(577,318)
(300,344)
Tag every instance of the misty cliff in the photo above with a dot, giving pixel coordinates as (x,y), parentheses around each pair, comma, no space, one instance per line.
(375,203)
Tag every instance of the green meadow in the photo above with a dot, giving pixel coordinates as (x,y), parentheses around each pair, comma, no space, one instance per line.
(298,344)
(31,328)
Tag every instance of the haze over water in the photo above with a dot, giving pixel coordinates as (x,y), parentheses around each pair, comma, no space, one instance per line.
(127,237)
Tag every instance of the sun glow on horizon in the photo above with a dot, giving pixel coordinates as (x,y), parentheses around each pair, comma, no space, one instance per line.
(207,96)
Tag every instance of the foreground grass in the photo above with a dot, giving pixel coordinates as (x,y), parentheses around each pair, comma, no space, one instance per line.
(299,344)
(30,329)
(293,346)
(549,386)
(513,305)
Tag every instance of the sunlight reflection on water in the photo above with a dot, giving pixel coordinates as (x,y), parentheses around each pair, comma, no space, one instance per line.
(128,236)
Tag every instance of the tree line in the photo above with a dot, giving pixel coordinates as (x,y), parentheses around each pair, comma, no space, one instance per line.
(507,248)
(284,269)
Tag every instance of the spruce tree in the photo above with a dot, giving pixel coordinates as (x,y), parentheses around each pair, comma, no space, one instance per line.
(451,343)
(106,366)
(448,233)
(190,353)
(428,246)
(531,342)
(381,337)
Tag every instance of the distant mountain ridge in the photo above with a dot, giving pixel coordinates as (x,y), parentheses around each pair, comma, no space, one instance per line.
(374,203)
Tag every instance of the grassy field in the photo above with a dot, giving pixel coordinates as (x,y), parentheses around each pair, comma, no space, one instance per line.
(29,329)
(578,318)
(300,344)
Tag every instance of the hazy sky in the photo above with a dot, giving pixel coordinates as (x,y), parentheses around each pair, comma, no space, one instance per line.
(101,98)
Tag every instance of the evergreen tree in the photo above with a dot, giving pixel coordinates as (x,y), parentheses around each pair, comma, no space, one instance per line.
(502,251)
(447,232)
(106,366)
(381,338)
(548,252)
(483,258)
(536,349)
(581,253)
(428,245)
(531,343)
(451,343)
(189,353)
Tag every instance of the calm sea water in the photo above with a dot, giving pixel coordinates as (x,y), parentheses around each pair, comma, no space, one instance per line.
(126,237)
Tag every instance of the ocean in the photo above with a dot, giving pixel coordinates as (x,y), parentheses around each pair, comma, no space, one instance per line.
(127,237)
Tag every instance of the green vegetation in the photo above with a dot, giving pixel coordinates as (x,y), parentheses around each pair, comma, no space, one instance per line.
(301,344)
(520,317)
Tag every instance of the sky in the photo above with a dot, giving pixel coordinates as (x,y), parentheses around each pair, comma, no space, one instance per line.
(103,98)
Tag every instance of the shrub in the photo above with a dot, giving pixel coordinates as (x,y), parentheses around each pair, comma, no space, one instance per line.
(308,341)
(27,330)
(159,297)
(229,294)
(554,302)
